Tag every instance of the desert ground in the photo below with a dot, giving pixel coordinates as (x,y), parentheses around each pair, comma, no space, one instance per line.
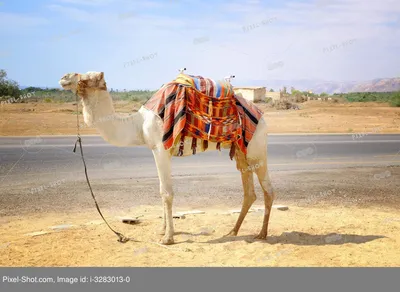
(356,225)
(313,117)
(338,216)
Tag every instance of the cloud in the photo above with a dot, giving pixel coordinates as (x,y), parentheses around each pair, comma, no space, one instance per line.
(20,20)
(87,2)
(73,13)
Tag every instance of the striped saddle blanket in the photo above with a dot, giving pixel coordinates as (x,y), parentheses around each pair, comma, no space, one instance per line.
(204,109)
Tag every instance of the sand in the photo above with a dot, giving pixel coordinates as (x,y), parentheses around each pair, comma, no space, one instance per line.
(312,237)
(313,117)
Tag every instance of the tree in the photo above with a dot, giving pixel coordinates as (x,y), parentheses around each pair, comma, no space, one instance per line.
(3,75)
(395,100)
(323,94)
(32,88)
(8,87)
(284,90)
(271,90)
(295,92)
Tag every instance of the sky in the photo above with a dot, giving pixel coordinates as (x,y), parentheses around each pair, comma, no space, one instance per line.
(141,44)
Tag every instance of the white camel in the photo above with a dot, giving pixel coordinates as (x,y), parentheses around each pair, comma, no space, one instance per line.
(145,128)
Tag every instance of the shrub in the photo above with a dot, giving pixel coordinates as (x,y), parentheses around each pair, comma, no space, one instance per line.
(395,100)
(8,87)
(282,104)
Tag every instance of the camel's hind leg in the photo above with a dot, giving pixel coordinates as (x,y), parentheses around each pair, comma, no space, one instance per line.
(248,188)
(269,196)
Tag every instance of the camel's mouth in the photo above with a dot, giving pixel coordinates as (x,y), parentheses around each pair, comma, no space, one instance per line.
(64,83)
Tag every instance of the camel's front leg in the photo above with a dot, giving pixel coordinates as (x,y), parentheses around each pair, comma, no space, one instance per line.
(163,163)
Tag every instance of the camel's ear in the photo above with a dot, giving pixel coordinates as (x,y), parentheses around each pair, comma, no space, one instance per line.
(100,81)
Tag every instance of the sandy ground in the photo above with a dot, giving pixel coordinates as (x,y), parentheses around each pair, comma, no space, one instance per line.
(345,237)
(335,218)
(313,117)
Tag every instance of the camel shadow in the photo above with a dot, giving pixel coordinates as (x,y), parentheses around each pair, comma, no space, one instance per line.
(188,236)
(301,238)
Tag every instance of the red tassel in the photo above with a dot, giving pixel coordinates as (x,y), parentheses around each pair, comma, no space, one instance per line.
(182,143)
(194,145)
(205,145)
(232,151)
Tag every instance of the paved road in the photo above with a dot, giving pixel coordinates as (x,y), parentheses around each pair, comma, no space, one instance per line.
(35,158)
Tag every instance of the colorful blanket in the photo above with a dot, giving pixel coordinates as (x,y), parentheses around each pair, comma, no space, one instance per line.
(208,110)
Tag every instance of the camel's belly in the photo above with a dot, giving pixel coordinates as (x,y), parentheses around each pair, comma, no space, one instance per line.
(187,147)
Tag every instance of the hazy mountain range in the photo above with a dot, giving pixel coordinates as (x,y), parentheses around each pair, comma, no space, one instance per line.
(319,86)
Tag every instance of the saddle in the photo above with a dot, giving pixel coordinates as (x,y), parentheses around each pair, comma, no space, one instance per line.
(206,110)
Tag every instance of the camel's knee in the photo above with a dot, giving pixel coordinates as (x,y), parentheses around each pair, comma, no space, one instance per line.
(167,197)
(251,197)
(269,192)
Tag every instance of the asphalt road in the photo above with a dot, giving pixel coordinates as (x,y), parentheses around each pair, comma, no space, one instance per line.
(42,174)
(35,158)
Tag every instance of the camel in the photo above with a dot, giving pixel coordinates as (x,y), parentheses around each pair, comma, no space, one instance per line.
(145,128)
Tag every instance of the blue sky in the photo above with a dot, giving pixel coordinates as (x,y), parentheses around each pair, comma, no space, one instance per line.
(337,40)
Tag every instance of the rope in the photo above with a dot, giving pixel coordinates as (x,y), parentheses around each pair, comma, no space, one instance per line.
(121,238)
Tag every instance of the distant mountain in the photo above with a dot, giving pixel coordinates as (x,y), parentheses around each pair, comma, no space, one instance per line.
(319,86)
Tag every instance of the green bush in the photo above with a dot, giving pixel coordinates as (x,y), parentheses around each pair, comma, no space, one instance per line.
(8,87)
(369,96)
(395,100)
(134,95)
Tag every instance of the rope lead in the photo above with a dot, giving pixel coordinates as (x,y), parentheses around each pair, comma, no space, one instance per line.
(121,238)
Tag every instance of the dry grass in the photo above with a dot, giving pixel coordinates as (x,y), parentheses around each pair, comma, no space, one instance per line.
(314,117)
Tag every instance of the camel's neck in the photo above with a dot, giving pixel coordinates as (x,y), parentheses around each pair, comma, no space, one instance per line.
(119,130)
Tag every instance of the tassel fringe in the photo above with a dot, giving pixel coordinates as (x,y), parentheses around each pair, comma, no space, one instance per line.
(182,143)
(232,151)
(194,145)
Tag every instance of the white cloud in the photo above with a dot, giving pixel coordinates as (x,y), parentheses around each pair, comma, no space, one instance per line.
(73,13)
(14,20)
(87,2)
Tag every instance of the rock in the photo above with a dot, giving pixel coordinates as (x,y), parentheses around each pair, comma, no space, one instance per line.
(60,227)
(37,233)
(131,221)
(280,207)
(190,212)
(178,216)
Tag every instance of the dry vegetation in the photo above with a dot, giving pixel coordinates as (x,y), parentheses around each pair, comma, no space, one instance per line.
(42,118)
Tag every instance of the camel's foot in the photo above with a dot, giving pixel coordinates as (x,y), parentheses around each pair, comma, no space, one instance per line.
(261,235)
(167,240)
(231,233)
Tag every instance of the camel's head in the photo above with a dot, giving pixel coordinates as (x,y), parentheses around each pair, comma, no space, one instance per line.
(83,83)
